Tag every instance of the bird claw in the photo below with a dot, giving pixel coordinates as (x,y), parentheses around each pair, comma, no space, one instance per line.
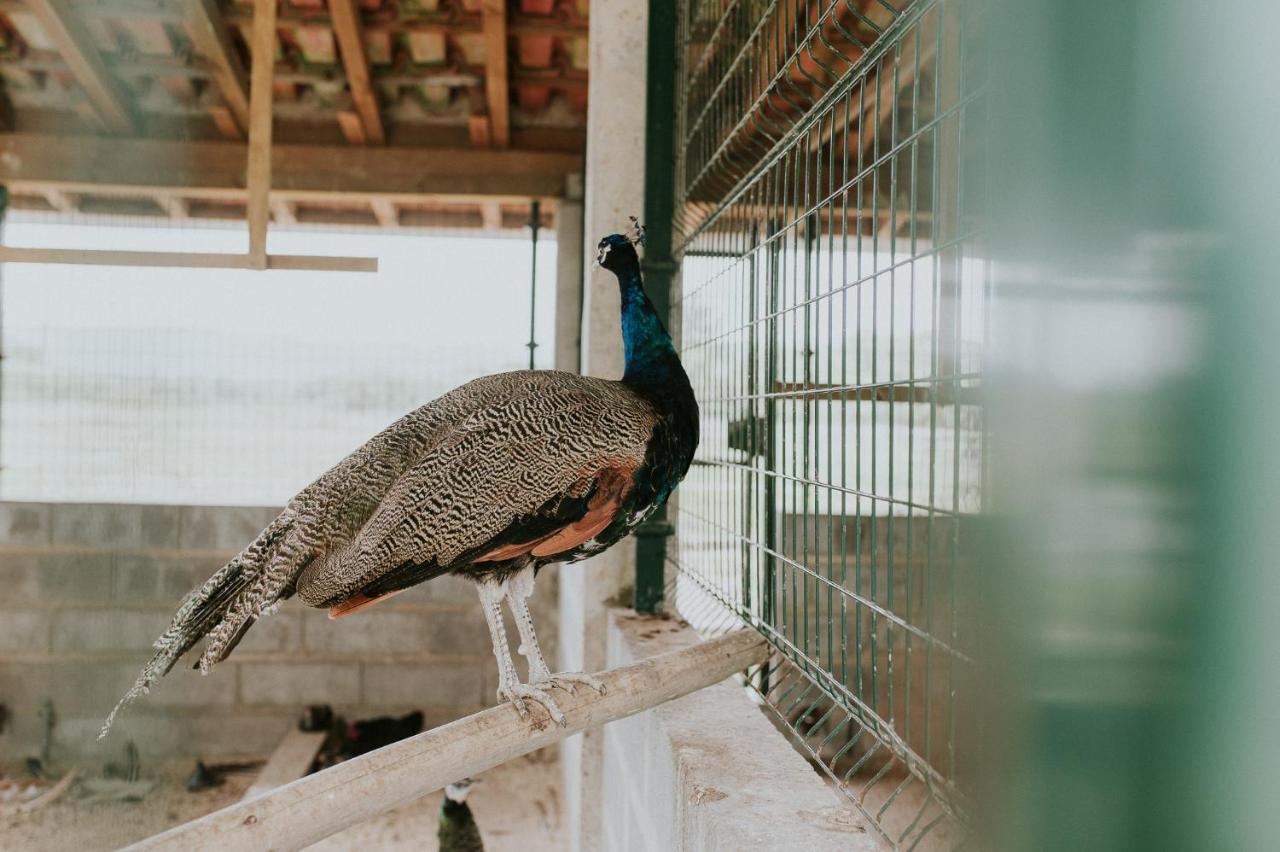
(516,693)
(568,680)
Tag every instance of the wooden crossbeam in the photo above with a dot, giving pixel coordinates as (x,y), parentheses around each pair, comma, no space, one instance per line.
(204,24)
(496,83)
(324,803)
(186,260)
(75,44)
(217,169)
(346,26)
(263,52)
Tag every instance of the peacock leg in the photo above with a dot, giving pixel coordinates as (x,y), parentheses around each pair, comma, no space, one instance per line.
(509,686)
(519,588)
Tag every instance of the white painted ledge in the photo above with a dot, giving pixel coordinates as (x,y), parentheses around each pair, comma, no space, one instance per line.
(709,772)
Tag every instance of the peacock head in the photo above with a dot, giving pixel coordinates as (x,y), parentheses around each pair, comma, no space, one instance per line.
(458,790)
(617,252)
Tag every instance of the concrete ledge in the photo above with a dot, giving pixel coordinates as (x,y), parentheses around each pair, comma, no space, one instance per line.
(708,771)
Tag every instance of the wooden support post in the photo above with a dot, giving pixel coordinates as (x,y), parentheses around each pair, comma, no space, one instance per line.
(384,210)
(204,24)
(173,206)
(312,808)
(259,169)
(491,215)
(496,85)
(282,211)
(346,26)
(68,33)
(60,201)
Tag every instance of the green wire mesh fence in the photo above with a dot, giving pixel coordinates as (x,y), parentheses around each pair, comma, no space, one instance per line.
(833,322)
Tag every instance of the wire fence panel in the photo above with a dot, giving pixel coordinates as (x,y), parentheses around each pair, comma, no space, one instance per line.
(833,322)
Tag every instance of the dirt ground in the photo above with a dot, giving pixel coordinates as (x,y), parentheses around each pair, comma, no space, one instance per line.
(517,807)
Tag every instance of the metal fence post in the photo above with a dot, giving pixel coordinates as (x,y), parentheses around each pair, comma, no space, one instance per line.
(659,267)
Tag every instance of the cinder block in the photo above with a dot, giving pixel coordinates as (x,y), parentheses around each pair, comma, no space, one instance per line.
(162,735)
(73,687)
(25,523)
(371,634)
(414,685)
(229,528)
(274,634)
(24,631)
(184,686)
(143,578)
(43,579)
(297,684)
(115,525)
(99,630)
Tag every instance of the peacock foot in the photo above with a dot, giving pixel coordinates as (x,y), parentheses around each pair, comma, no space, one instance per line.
(568,682)
(518,693)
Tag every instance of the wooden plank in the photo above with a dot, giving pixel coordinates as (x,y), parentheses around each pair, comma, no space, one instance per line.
(291,760)
(204,24)
(496,83)
(346,26)
(263,52)
(217,170)
(319,805)
(186,260)
(75,44)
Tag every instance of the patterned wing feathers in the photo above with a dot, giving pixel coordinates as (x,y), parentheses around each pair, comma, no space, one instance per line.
(519,452)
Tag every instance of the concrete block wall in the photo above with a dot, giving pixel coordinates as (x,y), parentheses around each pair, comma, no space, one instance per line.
(709,772)
(86,588)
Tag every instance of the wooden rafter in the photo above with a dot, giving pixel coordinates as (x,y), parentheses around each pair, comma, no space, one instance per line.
(346,26)
(73,41)
(496,83)
(259,167)
(203,24)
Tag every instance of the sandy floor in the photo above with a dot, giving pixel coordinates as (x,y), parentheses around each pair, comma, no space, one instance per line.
(517,807)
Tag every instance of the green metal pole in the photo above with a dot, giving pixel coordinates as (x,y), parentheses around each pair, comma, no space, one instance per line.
(659,267)
(535,222)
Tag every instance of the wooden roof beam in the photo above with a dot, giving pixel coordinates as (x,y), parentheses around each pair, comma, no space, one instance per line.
(86,164)
(204,24)
(496,83)
(346,26)
(73,41)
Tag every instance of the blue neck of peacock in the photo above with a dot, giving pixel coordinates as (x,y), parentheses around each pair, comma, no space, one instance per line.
(651,358)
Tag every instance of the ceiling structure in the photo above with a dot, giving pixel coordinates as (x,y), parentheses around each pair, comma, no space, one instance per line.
(385,113)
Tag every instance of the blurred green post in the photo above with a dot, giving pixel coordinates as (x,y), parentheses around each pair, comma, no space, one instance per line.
(1130,596)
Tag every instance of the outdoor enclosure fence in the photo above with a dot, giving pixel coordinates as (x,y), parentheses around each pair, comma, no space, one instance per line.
(833,319)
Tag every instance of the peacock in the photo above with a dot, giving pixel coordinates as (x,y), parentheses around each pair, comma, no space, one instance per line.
(492,481)
(457,830)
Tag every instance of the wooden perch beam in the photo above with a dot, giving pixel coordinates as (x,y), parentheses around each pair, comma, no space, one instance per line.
(346,26)
(315,807)
(72,39)
(216,169)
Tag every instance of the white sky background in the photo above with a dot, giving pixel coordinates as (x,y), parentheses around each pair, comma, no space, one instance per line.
(233,386)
